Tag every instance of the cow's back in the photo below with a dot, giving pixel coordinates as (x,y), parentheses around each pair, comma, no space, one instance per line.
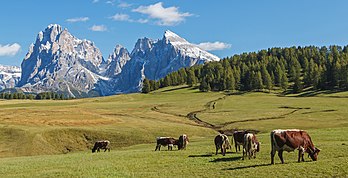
(288,140)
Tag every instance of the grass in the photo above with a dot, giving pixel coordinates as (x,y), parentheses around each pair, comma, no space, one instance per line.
(53,138)
(198,160)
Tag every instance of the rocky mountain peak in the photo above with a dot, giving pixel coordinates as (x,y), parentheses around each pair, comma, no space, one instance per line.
(116,61)
(171,37)
(142,45)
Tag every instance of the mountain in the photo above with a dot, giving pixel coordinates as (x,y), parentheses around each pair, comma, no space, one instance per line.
(60,62)
(9,76)
(154,59)
(116,61)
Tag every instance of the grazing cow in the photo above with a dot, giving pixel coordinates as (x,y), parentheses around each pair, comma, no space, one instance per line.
(164,141)
(222,142)
(238,137)
(183,141)
(250,145)
(103,144)
(289,140)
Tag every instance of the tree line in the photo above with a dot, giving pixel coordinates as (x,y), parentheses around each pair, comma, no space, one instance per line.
(288,69)
(39,96)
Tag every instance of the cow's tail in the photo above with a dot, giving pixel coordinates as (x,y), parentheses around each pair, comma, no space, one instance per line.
(272,141)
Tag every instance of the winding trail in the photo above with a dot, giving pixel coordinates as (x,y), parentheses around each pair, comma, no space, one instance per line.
(193,115)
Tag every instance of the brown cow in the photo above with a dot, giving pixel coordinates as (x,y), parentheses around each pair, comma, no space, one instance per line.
(289,140)
(183,141)
(103,144)
(222,142)
(164,141)
(238,137)
(250,145)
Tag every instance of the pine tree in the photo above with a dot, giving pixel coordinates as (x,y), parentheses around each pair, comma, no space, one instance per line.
(191,78)
(284,82)
(204,86)
(266,78)
(146,86)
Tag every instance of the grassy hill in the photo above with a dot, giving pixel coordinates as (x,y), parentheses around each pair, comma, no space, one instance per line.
(43,130)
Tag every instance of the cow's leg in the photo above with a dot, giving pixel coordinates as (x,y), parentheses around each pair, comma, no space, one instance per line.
(244,152)
(158,147)
(301,152)
(272,156)
(98,150)
(223,151)
(280,154)
(217,149)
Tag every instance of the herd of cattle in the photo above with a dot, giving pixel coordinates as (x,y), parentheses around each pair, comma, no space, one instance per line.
(281,140)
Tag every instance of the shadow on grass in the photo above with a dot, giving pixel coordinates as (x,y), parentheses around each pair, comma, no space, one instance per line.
(173,89)
(309,92)
(245,167)
(201,156)
(226,159)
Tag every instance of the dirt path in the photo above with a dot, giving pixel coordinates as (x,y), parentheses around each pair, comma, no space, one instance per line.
(211,105)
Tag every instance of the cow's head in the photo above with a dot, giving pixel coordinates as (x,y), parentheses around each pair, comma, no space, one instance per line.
(314,153)
(93,150)
(257,146)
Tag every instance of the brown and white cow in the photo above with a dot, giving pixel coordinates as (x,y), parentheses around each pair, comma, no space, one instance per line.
(289,140)
(103,144)
(250,145)
(164,141)
(183,141)
(222,142)
(238,137)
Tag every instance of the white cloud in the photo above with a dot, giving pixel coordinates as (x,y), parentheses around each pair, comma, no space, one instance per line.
(99,28)
(77,19)
(124,5)
(165,16)
(126,18)
(9,50)
(214,46)
(110,2)
(143,20)
(95,1)
(121,17)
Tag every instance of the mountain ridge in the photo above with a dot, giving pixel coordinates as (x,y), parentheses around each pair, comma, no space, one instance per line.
(60,62)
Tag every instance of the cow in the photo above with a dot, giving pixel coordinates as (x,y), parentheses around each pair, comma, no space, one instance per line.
(250,145)
(238,137)
(289,140)
(164,141)
(183,141)
(222,142)
(103,144)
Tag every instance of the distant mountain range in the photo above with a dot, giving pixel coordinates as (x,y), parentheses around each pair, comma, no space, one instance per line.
(60,62)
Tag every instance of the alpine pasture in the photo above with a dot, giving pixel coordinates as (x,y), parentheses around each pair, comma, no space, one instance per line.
(54,138)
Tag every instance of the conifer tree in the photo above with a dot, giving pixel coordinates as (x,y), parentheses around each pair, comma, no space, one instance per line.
(146,86)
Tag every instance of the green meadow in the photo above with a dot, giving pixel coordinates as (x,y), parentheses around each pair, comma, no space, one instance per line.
(53,138)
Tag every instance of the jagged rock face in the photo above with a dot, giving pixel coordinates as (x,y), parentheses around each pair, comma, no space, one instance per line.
(116,61)
(58,61)
(155,59)
(9,76)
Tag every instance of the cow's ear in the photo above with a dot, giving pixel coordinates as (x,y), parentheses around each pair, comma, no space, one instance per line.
(317,150)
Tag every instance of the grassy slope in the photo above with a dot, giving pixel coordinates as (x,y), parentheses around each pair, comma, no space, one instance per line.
(50,127)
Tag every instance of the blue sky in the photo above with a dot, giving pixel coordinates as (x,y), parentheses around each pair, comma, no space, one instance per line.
(226,27)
